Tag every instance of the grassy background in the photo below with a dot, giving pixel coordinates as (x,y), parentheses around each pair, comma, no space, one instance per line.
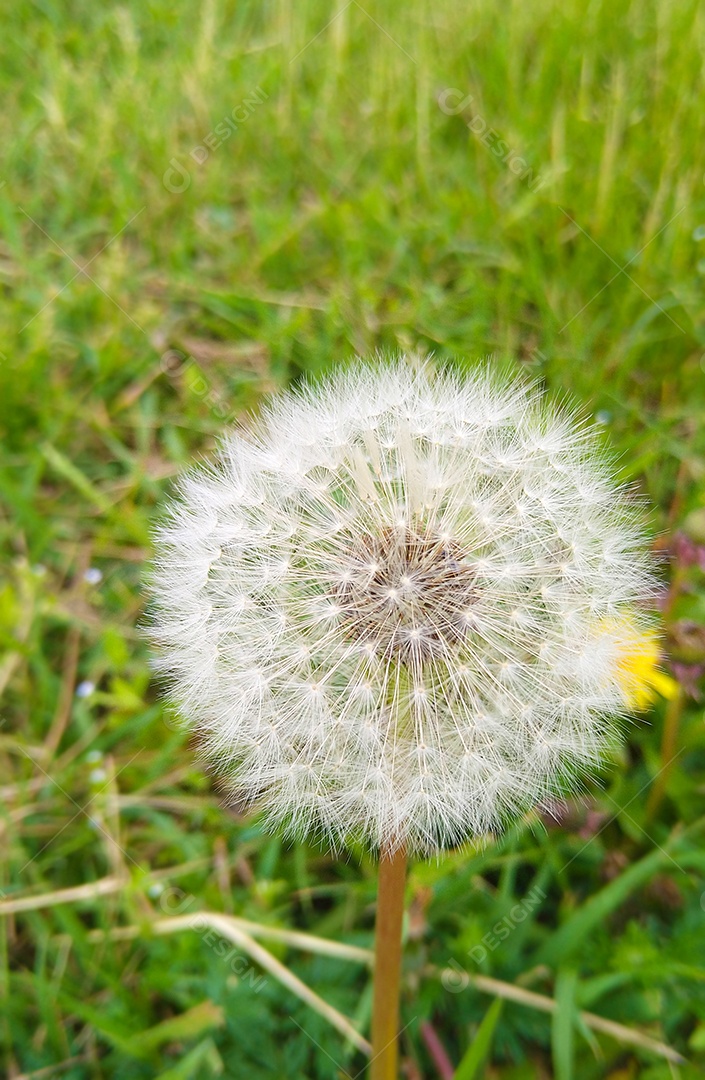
(145,299)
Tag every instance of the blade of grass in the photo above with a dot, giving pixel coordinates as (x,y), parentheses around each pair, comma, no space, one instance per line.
(186,1025)
(204,1060)
(595,910)
(66,469)
(226,926)
(510,992)
(480,1047)
(562,1024)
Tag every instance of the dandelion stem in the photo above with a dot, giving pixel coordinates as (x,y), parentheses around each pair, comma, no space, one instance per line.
(669,752)
(385,1011)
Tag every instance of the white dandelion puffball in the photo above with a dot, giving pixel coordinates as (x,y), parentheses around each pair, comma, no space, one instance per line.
(394,610)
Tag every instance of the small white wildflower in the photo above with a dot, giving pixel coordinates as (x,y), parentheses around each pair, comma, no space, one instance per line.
(387,609)
(97,776)
(93,576)
(85,689)
(94,756)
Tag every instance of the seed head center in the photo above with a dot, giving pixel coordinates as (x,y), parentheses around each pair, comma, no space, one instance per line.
(406,592)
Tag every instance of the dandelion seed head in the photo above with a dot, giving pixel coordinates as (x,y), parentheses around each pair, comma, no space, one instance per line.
(392,609)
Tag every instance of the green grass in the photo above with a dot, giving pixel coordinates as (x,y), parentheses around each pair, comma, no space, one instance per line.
(347,213)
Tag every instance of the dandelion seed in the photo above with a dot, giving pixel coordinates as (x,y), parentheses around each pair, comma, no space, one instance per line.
(396,559)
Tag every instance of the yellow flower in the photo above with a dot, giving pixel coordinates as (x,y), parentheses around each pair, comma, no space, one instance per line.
(638,672)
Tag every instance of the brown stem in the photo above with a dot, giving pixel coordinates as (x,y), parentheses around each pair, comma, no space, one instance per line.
(385,1010)
(669,743)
